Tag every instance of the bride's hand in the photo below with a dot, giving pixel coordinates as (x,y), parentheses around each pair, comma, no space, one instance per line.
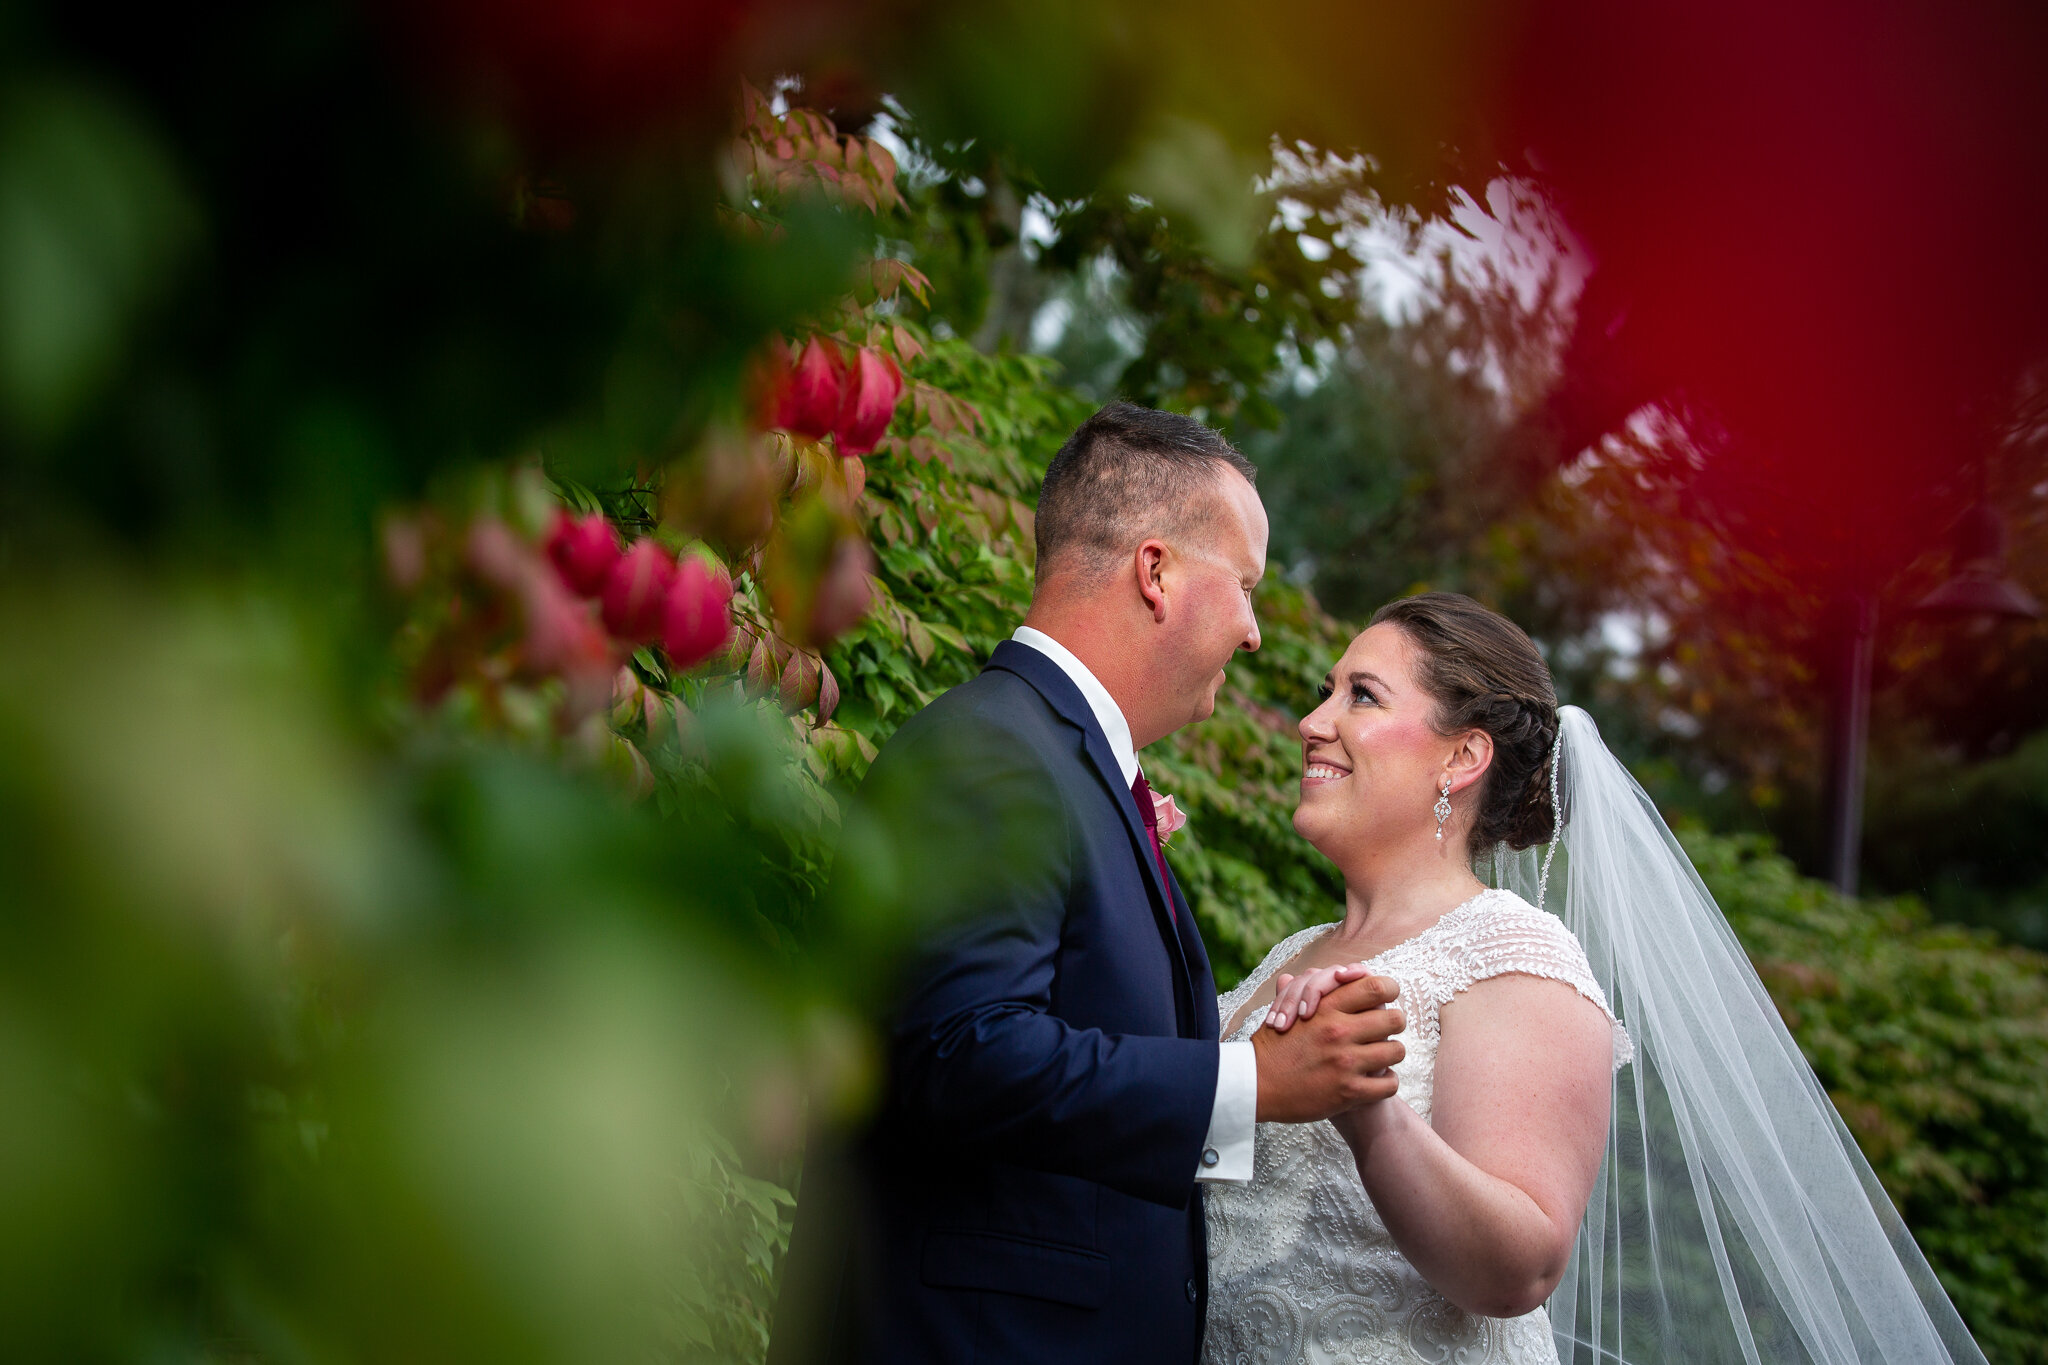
(1296,996)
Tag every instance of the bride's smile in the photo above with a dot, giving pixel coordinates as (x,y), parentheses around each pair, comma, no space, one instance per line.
(1372,758)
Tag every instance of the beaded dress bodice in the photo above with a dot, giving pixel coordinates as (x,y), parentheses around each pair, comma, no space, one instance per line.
(1301,1269)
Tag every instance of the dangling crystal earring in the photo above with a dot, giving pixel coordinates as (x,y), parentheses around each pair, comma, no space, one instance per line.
(1443,809)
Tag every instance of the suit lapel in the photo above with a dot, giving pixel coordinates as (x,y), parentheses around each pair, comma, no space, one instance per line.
(1066,700)
(1200,976)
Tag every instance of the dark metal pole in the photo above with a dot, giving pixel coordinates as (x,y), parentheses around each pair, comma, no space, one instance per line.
(1848,737)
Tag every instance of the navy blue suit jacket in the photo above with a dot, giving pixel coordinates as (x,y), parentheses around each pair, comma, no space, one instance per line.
(1027,1192)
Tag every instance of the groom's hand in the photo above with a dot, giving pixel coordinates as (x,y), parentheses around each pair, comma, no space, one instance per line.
(1336,1059)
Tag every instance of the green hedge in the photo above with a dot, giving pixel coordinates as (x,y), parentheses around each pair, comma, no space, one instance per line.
(1933,1042)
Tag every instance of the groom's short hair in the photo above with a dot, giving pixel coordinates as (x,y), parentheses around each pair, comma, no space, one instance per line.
(1128,473)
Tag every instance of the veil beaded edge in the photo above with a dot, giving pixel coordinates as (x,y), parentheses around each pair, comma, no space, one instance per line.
(1733,1218)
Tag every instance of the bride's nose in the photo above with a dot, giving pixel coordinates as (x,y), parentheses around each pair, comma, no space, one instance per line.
(1315,727)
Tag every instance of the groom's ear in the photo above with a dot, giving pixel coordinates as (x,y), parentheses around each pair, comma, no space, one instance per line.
(1149,565)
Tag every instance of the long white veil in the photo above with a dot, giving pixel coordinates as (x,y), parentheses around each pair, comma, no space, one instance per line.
(1734,1218)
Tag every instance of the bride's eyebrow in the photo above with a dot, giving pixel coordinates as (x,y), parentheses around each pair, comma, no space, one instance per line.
(1363,676)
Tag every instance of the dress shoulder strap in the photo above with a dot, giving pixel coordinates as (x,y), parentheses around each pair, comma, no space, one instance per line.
(1500,934)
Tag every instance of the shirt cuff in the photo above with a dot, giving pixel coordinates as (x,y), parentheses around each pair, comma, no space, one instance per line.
(1233,1123)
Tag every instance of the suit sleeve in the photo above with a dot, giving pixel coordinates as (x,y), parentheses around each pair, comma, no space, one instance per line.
(977,1058)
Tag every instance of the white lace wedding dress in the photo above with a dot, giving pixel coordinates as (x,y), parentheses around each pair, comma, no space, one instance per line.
(1301,1269)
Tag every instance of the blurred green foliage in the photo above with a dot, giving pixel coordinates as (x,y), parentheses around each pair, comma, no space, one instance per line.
(95,219)
(320,1048)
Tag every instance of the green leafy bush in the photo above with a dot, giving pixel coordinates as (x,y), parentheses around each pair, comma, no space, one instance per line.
(1933,1042)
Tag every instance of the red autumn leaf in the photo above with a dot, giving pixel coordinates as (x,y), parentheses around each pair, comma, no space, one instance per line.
(767,383)
(873,385)
(636,591)
(914,280)
(627,694)
(809,403)
(844,593)
(405,551)
(764,665)
(906,343)
(583,550)
(828,693)
(697,621)
(733,658)
(885,162)
(495,555)
(562,638)
(799,686)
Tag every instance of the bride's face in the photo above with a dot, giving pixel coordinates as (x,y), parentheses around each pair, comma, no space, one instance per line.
(1371,758)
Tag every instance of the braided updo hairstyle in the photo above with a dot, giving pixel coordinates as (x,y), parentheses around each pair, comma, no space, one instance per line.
(1485,674)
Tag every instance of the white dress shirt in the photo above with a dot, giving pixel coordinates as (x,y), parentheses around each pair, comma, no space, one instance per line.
(1233,1120)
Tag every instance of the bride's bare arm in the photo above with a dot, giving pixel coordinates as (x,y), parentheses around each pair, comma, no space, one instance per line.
(1485,1198)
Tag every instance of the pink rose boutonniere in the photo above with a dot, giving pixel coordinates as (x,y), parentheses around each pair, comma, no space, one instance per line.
(1171,817)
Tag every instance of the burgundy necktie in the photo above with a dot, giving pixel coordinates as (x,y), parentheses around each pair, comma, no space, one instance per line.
(1149,813)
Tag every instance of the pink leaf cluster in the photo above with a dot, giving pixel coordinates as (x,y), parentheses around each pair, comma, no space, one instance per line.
(561,637)
(644,595)
(583,550)
(822,393)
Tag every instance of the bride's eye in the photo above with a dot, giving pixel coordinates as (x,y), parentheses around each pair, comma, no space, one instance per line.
(1324,691)
(1361,693)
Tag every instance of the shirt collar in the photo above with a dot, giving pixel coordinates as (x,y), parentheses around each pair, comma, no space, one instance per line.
(1108,714)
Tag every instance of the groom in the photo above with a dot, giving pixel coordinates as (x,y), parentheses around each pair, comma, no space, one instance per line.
(1057,1095)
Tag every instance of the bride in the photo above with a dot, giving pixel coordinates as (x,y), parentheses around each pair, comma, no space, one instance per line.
(1605,1145)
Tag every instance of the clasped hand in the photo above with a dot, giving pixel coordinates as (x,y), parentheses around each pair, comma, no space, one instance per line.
(1296,997)
(1333,1049)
